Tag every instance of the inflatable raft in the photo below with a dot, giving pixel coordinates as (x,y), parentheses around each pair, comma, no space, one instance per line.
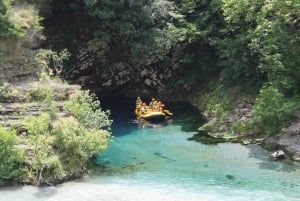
(154,112)
(153,116)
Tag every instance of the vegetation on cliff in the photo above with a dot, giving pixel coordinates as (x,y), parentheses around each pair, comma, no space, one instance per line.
(52,134)
(248,49)
(49,130)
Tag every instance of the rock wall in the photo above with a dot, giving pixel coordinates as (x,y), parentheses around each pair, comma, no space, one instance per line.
(20,69)
(108,70)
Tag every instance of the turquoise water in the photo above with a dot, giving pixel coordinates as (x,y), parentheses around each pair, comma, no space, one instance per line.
(160,164)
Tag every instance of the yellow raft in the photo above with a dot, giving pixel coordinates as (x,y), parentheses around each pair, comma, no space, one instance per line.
(156,116)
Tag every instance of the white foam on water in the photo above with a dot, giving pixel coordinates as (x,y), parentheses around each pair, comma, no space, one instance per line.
(111,189)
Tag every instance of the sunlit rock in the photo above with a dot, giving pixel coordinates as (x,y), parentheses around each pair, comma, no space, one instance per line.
(278,154)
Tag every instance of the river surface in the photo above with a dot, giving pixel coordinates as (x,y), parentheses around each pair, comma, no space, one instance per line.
(160,164)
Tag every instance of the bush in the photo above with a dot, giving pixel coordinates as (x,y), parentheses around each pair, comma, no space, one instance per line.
(38,125)
(50,61)
(273,109)
(216,100)
(77,143)
(11,158)
(41,92)
(87,110)
(42,163)
(5,90)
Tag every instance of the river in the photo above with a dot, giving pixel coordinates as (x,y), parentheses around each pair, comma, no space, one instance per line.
(160,164)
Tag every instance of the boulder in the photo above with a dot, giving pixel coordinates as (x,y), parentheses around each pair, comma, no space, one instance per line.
(296,157)
(278,155)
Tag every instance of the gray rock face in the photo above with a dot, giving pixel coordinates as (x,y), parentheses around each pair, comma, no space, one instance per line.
(12,71)
(19,104)
(108,70)
(288,140)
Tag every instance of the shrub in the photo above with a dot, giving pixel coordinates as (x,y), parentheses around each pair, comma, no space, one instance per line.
(38,125)
(24,18)
(216,100)
(8,92)
(41,92)
(86,108)
(39,138)
(5,89)
(50,61)
(11,158)
(273,109)
(77,143)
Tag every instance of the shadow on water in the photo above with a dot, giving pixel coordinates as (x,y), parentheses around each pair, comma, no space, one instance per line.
(186,115)
(124,119)
(122,113)
(266,162)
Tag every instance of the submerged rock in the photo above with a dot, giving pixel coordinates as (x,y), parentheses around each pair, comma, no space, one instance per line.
(206,139)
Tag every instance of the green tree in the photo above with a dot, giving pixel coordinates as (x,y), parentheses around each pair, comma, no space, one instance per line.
(77,144)
(276,39)
(195,26)
(87,110)
(4,22)
(10,156)
(238,61)
(273,109)
(8,27)
(39,130)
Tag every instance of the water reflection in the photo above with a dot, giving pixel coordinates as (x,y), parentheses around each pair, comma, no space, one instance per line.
(142,123)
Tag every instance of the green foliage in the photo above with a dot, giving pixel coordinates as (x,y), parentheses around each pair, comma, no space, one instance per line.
(248,41)
(217,100)
(4,6)
(41,92)
(38,129)
(239,63)
(65,145)
(86,108)
(50,61)
(263,35)
(119,18)
(243,128)
(11,157)
(20,30)
(276,38)
(6,26)
(77,143)
(5,90)
(15,22)
(38,125)
(273,109)
(154,45)
(195,26)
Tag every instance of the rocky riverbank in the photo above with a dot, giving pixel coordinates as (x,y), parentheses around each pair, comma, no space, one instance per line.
(240,126)
(287,140)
